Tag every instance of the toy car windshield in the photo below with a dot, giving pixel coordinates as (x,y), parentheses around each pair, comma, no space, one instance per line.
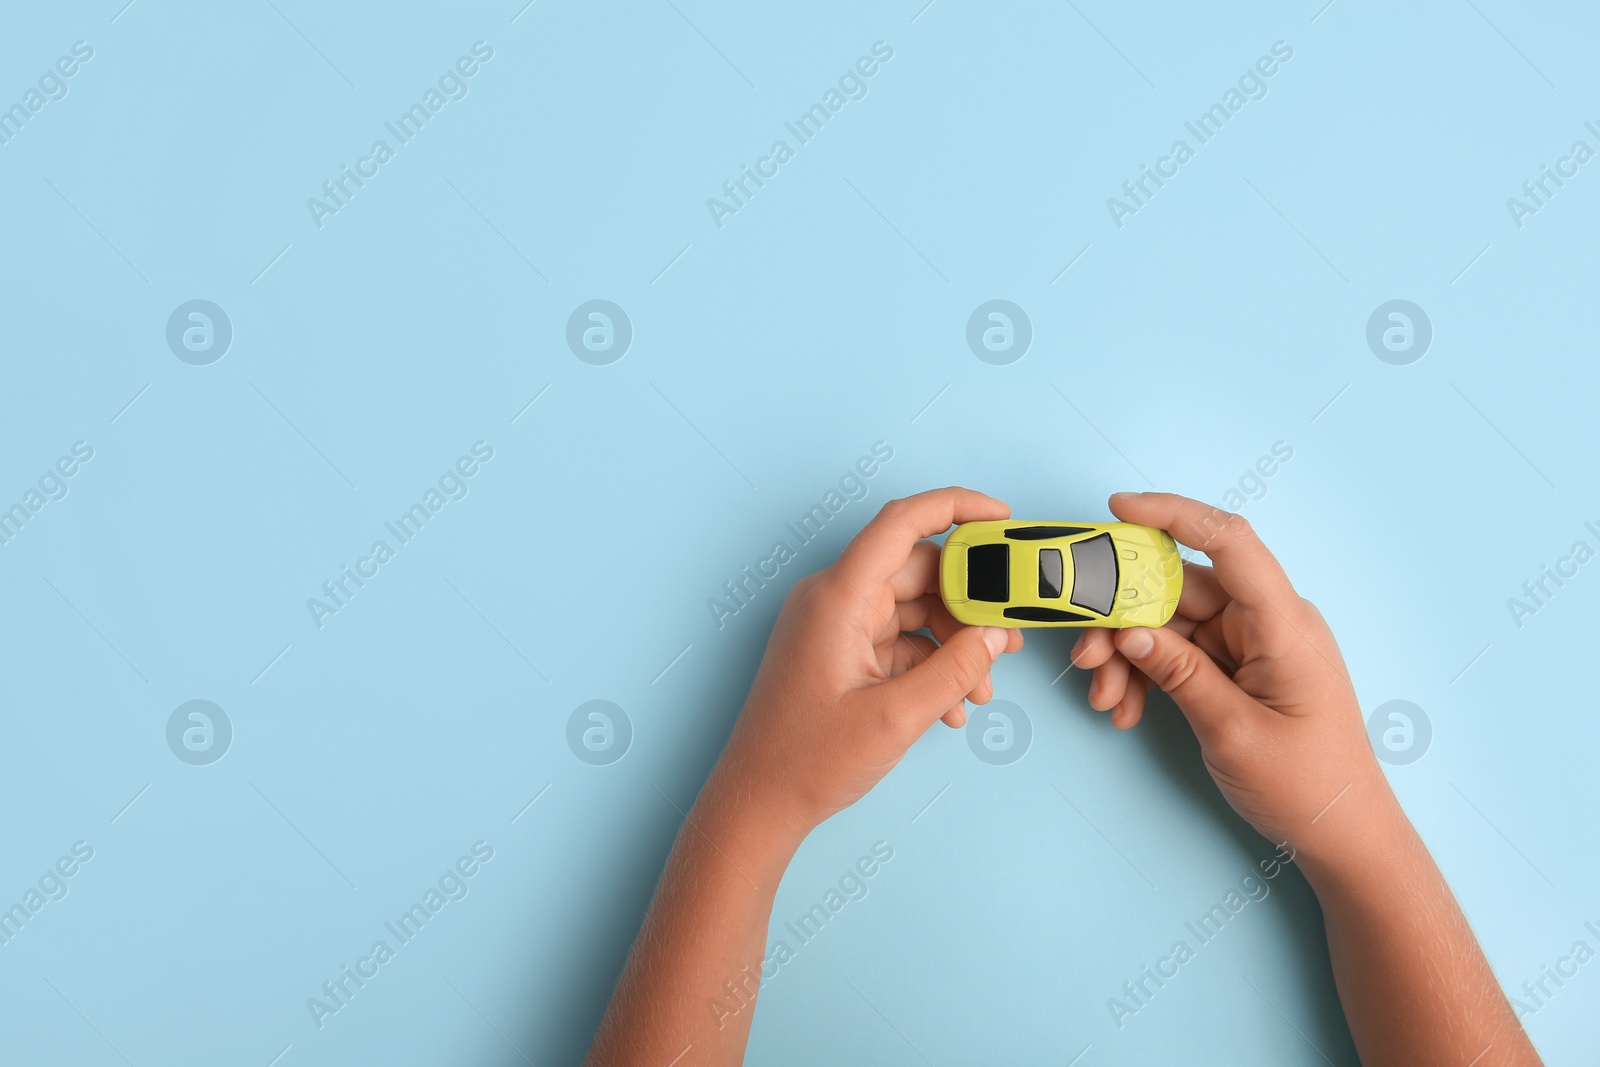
(1094,574)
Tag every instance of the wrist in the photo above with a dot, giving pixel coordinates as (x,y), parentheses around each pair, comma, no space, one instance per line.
(755,834)
(1360,848)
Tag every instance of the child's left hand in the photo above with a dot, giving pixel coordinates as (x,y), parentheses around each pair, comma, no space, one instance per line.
(846,684)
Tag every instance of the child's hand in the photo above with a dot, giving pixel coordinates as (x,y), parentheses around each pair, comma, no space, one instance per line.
(1256,671)
(846,685)
(845,689)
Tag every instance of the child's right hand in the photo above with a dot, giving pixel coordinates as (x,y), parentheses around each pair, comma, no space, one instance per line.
(1258,674)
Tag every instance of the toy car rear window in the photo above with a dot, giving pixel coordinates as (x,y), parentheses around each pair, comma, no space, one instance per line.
(1050,572)
(989,573)
(1094,574)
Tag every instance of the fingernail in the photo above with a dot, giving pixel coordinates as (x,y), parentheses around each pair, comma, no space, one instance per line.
(1137,643)
(995,638)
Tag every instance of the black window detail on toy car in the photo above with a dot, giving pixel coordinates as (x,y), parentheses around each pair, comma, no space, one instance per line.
(1050,572)
(1031,614)
(989,573)
(1094,574)
(1043,533)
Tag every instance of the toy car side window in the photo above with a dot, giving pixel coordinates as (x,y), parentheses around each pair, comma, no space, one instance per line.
(989,573)
(1050,573)
(1094,574)
(1043,533)
(1027,613)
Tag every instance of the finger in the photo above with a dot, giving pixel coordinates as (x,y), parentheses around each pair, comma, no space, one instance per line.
(920,574)
(1183,626)
(1110,683)
(1209,636)
(983,692)
(912,701)
(1202,596)
(1245,569)
(1207,697)
(1092,649)
(918,614)
(1130,709)
(910,650)
(937,618)
(943,624)
(956,717)
(931,612)
(885,545)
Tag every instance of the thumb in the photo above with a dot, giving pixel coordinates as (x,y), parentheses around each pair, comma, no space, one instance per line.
(920,695)
(1206,696)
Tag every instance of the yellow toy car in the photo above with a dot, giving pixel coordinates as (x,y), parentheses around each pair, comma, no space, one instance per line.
(1016,574)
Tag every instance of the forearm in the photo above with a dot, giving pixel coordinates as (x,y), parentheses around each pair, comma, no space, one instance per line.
(690,982)
(1416,988)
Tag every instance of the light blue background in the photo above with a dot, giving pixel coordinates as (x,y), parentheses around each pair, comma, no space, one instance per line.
(768,355)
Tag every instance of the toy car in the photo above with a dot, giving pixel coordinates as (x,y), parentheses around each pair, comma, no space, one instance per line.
(1015,574)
